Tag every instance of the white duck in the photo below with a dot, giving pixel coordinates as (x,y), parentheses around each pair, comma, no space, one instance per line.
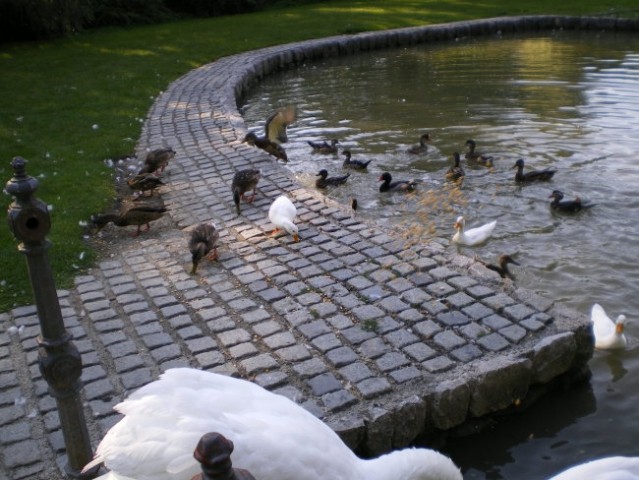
(610,468)
(608,334)
(274,438)
(282,214)
(474,236)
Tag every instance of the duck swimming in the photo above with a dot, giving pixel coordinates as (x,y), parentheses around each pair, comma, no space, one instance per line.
(610,468)
(274,438)
(568,206)
(476,157)
(608,333)
(243,181)
(396,186)
(324,147)
(157,159)
(282,214)
(265,144)
(356,164)
(142,215)
(325,181)
(422,147)
(502,266)
(202,244)
(456,173)
(474,236)
(532,175)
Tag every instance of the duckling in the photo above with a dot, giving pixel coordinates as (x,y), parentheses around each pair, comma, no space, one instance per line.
(265,144)
(157,159)
(568,206)
(356,164)
(282,214)
(324,147)
(474,236)
(396,186)
(141,215)
(476,157)
(532,175)
(422,147)
(326,181)
(456,173)
(502,266)
(276,124)
(144,182)
(202,244)
(243,181)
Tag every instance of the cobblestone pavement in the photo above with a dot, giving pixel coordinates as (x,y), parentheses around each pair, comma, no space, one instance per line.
(380,338)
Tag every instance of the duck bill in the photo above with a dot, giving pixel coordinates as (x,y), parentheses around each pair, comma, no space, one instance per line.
(619,328)
(457,225)
(296,237)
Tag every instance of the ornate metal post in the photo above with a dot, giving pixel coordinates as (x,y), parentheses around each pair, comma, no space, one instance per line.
(213,451)
(59,359)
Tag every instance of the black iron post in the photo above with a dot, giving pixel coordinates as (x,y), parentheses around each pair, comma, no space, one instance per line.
(59,359)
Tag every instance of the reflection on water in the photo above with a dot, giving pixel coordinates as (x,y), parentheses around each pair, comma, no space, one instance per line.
(566,101)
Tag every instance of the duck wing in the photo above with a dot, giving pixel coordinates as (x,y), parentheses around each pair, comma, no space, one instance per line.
(602,324)
(275,127)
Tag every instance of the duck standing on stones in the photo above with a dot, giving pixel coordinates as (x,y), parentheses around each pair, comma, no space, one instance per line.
(422,147)
(282,215)
(141,215)
(325,181)
(474,236)
(202,243)
(243,181)
(476,157)
(355,164)
(502,266)
(532,175)
(265,144)
(157,159)
(455,173)
(608,333)
(396,186)
(274,438)
(144,182)
(324,147)
(567,206)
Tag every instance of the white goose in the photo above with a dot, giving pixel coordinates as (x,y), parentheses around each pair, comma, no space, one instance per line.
(282,214)
(608,334)
(474,236)
(611,468)
(275,439)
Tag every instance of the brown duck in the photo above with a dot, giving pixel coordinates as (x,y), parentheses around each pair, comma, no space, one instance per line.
(531,175)
(144,182)
(477,157)
(325,181)
(140,215)
(203,244)
(243,181)
(267,145)
(456,173)
(422,147)
(324,147)
(157,159)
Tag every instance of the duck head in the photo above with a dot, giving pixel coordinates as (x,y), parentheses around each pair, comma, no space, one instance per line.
(250,138)
(619,324)
(506,259)
(322,173)
(459,223)
(386,177)
(519,163)
(557,195)
(470,143)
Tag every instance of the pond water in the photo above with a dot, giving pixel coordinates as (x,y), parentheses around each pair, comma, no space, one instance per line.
(565,101)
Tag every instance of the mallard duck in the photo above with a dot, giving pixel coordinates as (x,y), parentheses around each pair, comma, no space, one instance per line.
(532,175)
(276,124)
(456,173)
(157,159)
(324,147)
(144,182)
(422,147)
(140,215)
(568,206)
(325,181)
(396,186)
(265,144)
(243,181)
(356,164)
(608,333)
(502,266)
(610,468)
(282,214)
(476,157)
(474,236)
(202,243)
(274,437)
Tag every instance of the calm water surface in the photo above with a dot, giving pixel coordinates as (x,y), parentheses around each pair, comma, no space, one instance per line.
(569,102)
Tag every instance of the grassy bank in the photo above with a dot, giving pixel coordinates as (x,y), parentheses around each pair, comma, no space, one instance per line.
(70,105)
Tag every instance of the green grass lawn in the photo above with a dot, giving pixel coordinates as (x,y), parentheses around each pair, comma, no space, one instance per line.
(69,105)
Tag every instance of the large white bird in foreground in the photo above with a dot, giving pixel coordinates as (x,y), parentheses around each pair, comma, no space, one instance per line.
(611,468)
(282,215)
(608,333)
(473,236)
(275,439)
